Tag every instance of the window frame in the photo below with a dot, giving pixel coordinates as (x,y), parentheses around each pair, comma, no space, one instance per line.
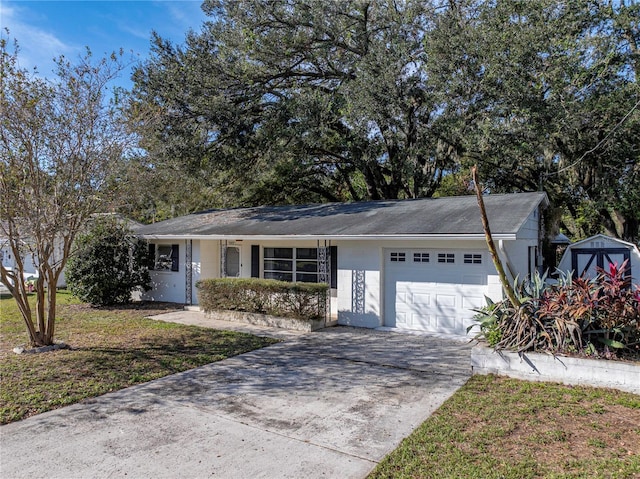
(398,256)
(171,261)
(472,258)
(273,255)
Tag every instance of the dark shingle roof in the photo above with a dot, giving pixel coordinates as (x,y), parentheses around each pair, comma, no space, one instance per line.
(457,215)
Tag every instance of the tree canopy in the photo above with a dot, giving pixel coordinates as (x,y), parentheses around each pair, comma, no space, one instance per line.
(301,101)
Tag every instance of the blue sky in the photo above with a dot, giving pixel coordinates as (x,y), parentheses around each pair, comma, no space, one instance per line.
(48,29)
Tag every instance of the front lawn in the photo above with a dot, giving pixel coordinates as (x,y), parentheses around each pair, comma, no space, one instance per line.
(496,427)
(111,349)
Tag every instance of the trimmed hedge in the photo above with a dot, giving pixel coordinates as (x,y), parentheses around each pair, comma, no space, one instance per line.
(265,296)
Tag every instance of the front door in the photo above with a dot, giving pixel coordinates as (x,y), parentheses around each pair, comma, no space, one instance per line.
(232,262)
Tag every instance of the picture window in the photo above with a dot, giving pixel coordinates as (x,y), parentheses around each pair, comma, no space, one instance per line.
(289,264)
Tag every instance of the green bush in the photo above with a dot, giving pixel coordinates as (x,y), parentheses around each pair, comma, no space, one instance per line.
(107,264)
(265,296)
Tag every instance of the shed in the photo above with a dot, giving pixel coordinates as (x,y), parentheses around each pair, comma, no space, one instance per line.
(585,257)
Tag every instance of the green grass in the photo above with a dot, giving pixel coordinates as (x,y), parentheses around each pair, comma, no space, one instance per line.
(504,428)
(111,349)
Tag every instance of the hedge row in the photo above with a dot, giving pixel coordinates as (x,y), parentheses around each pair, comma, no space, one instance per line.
(266,296)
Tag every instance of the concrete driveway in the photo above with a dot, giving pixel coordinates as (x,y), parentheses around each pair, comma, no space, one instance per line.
(329,404)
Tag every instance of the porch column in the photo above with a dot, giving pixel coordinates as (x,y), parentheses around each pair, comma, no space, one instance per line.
(223,258)
(324,264)
(188,271)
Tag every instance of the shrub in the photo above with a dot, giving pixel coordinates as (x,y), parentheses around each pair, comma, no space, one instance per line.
(266,296)
(599,316)
(107,264)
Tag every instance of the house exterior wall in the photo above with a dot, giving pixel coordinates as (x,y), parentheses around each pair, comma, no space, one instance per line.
(359,299)
(359,295)
(169,285)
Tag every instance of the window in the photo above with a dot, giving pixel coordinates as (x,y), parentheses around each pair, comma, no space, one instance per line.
(420,257)
(446,258)
(472,258)
(397,257)
(291,264)
(163,257)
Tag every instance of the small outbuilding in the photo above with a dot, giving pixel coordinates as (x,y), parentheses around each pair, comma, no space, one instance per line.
(585,257)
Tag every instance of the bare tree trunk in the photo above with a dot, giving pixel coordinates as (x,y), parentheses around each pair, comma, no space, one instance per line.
(492,247)
(51,308)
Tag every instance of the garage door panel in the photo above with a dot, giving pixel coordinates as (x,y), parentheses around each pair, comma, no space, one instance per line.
(476,279)
(421,299)
(473,302)
(423,322)
(445,301)
(446,323)
(438,297)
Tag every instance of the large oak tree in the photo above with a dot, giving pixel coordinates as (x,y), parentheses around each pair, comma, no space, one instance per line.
(290,101)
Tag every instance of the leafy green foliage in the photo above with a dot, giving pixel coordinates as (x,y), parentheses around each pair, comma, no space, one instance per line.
(288,102)
(108,264)
(598,316)
(301,101)
(266,296)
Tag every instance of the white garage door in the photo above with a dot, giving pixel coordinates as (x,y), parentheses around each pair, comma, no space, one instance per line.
(434,290)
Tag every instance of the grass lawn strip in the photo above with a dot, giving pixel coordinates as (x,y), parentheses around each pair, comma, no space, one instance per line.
(111,349)
(497,427)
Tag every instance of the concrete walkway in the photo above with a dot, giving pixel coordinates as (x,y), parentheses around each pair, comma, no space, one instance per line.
(329,404)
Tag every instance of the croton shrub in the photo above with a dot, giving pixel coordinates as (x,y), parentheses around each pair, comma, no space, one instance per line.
(594,316)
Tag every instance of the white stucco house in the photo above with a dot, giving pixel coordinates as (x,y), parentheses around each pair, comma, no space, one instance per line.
(419,264)
(587,257)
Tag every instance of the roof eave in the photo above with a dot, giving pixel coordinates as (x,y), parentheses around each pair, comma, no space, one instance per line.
(390,237)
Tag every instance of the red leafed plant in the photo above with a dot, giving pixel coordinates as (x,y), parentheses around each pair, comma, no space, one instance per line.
(602,314)
(596,316)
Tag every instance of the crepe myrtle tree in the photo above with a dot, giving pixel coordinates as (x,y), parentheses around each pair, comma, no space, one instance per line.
(58,141)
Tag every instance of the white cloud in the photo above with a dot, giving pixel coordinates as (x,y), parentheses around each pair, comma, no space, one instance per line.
(182,16)
(38,47)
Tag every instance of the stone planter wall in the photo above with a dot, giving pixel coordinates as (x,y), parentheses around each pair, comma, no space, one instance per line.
(620,375)
(271,321)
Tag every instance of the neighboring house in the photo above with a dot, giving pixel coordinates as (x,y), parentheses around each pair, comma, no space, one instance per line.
(419,264)
(9,261)
(30,261)
(585,257)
